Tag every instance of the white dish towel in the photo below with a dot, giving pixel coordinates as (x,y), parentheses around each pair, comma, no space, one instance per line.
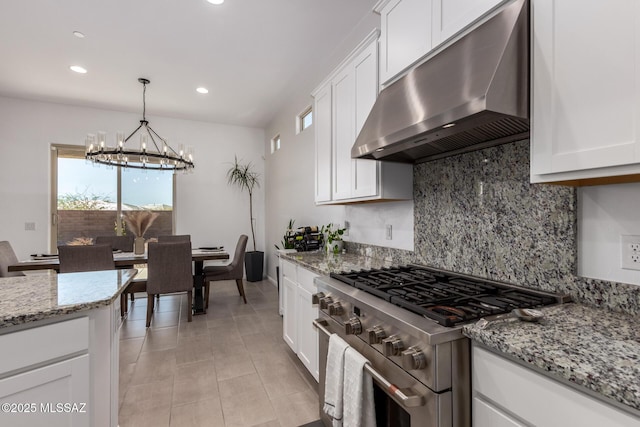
(358,407)
(334,379)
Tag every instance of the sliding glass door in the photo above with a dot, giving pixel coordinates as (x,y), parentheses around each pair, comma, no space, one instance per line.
(91,200)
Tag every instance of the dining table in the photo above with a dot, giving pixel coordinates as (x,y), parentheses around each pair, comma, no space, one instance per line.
(129,260)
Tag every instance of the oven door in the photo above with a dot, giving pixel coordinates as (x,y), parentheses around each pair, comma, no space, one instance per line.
(400,399)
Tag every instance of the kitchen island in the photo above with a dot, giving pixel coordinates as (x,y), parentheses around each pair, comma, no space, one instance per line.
(59,335)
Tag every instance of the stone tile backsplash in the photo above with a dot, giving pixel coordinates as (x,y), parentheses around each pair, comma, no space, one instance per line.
(477,214)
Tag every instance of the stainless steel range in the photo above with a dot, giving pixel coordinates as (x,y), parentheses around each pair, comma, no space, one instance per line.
(408,322)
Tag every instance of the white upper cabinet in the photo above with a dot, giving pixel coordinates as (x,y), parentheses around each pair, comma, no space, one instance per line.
(451,16)
(342,104)
(411,29)
(405,34)
(585,90)
(355,90)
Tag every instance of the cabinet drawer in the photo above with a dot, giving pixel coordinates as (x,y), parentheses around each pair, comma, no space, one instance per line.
(289,270)
(305,280)
(37,345)
(537,399)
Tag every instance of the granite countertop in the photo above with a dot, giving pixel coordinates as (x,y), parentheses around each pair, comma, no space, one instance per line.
(36,297)
(322,263)
(593,348)
(590,347)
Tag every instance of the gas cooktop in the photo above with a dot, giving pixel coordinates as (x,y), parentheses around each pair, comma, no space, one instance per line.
(448,298)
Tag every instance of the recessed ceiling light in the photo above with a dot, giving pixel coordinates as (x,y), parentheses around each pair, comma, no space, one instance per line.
(78,34)
(78,69)
(448,125)
(202,90)
(216,2)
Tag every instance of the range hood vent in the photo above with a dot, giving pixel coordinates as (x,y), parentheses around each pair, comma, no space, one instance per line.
(472,95)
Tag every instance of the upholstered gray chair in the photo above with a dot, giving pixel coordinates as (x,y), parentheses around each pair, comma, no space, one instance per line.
(174,238)
(232,271)
(7,258)
(169,271)
(122,243)
(85,258)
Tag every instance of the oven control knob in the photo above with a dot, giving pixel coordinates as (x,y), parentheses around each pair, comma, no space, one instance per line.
(413,358)
(353,326)
(315,298)
(375,335)
(335,309)
(324,302)
(392,346)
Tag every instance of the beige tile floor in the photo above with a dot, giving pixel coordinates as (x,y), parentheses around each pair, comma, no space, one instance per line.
(228,368)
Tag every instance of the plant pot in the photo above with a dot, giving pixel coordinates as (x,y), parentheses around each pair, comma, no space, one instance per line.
(335,247)
(254,265)
(138,246)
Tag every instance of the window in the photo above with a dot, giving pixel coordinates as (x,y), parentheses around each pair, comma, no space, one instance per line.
(275,143)
(305,119)
(90,200)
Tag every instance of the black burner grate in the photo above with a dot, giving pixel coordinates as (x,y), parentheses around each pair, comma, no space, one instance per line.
(448,299)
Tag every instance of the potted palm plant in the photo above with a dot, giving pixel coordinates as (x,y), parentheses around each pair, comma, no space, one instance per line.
(244,177)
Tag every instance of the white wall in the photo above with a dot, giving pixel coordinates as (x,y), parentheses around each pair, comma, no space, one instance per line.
(290,173)
(207,208)
(604,214)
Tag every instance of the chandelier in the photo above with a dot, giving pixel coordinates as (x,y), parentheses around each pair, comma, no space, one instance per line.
(154,151)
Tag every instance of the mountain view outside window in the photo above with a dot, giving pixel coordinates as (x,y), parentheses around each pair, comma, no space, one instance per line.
(90,204)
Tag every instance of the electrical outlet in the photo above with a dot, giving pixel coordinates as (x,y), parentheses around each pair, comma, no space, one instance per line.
(388,232)
(630,252)
(30,226)
(347,225)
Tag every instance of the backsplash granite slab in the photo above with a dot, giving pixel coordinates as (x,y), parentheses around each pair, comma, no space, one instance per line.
(477,214)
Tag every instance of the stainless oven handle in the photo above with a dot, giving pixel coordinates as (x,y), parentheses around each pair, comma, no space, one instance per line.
(408,400)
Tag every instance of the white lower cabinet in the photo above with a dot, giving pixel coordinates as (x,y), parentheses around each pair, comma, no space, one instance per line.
(54,395)
(507,394)
(62,374)
(299,314)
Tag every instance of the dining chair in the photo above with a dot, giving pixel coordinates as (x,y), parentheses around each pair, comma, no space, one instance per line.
(8,257)
(138,284)
(169,271)
(174,238)
(85,258)
(231,271)
(121,243)
(124,244)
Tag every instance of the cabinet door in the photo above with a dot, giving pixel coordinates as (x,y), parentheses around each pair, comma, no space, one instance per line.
(343,89)
(364,173)
(65,382)
(451,16)
(486,415)
(289,301)
(406,35)
(322,125)
(307,334)
(586,87)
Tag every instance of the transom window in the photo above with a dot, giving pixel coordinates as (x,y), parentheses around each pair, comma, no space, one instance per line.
(305,119)
(275,143)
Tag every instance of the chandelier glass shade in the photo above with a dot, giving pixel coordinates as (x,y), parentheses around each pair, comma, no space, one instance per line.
(153,151)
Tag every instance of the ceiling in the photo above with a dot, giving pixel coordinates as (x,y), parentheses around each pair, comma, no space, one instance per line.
(249,54)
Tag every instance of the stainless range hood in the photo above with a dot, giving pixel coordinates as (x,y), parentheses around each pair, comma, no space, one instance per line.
(473,94)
